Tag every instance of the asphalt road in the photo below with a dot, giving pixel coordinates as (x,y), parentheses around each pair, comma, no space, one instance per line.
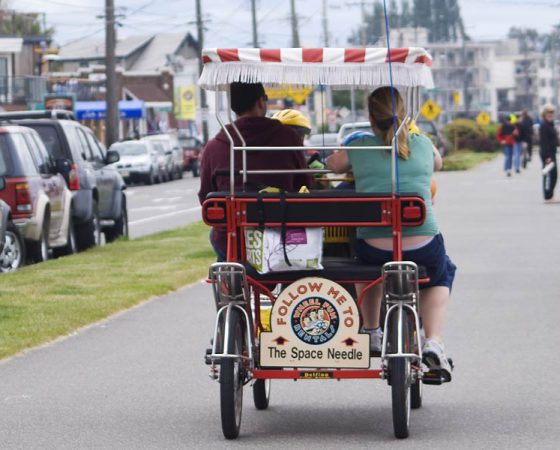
(137,381)
(162,206)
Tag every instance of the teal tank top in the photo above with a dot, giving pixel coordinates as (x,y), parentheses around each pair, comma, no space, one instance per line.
(372,173)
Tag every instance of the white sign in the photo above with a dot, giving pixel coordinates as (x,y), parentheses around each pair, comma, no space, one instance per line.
(314,323)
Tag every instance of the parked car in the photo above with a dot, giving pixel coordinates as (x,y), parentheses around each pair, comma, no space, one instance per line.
(172,150)
(138,161)
(316,141)
(98,199)
(192,153)
(427,127)
(35,190)
(12,248)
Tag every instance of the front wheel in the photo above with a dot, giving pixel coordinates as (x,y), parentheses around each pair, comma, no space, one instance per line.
(400,375)
(13,253)
(89,234)
(261,393)
(231,378)
(38,251)
(71,246)
(120,229)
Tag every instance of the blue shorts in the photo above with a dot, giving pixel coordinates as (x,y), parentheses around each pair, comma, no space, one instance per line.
(432,256)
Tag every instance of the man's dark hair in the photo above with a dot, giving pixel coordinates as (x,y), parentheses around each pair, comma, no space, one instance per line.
(244,96)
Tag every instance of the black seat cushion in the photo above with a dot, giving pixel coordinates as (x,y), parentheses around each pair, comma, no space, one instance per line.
(336,269)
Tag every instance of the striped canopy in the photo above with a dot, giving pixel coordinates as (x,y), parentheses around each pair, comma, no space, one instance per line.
(343,67)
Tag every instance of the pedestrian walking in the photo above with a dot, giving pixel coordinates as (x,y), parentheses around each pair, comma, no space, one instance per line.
(548,141)
(526,135)
(506,136)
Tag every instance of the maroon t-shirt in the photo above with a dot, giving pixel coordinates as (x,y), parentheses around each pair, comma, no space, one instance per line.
(257,132)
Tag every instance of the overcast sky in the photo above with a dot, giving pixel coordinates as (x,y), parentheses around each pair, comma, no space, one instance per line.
(229,21)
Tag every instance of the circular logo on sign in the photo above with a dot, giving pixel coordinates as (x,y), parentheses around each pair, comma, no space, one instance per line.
(315,320)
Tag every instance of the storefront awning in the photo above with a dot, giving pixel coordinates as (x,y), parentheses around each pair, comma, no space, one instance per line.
(128,109)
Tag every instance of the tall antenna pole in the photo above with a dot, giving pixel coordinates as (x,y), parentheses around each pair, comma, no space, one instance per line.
(254,14)
(295,34)
(112,117)
(203,105)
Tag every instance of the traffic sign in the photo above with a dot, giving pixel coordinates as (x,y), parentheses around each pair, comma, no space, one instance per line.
(483,118)
(430,110)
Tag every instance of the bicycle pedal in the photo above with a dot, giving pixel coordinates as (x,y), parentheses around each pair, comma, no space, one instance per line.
(433,377)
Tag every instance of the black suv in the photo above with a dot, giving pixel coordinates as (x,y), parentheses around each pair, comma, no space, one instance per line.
(98,203)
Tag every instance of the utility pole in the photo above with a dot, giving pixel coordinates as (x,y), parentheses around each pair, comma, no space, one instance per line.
(112,116)
(254,14)
(295,33)
(325,24)
(203,105)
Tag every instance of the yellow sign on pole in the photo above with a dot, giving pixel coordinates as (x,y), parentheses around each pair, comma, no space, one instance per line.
(483,118)
(185,103)
(297,95)
(456,98)
(430,110)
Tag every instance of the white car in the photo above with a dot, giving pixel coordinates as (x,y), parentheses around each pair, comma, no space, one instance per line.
(138,161)
(172,150)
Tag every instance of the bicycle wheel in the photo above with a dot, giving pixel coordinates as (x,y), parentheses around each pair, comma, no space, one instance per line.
(232,377)
(400,376)
(416,394)
(261,393)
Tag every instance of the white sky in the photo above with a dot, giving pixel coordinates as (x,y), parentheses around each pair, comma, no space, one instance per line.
(229,22)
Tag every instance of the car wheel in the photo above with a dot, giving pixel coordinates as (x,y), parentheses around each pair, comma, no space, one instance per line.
(71,246)
(150,179)
(120,229)
(38,251)
(13,253)
(180,173)
(89,234)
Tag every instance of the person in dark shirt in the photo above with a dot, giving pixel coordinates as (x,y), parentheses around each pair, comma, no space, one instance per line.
(249,102)
(548,141)
(526,136)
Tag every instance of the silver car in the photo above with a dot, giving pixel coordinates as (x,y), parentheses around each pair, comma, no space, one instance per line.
(139,161)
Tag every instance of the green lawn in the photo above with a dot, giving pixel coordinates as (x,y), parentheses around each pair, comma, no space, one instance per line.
(44,301)
(466,159)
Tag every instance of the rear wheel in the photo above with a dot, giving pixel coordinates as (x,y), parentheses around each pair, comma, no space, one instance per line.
(13,253)
(231,379)
(400,375)
(89,234)
(151,178)
(120,229)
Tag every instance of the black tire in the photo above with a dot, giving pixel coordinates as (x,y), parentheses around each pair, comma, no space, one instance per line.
(231,379)
(400,377)
(13,252)
(89,234)
(120,229)
(261,394)
(195,171)
(38,251)
(150,178)
(416,395)
(71,246)
(180,172)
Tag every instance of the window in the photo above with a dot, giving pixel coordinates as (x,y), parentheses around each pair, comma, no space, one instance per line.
(41,160)
(97,155)
(50,139)
(4,156)
(27,163)
(84,147)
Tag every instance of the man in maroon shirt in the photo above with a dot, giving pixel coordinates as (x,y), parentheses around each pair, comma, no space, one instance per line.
(248,101)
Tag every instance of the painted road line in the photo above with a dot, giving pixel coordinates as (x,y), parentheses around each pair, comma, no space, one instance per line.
(174,213)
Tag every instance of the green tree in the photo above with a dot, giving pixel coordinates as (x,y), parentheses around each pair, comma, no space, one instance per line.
(14,23)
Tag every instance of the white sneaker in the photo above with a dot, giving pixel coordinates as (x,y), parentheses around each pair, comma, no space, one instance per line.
(375,339)
(433,356)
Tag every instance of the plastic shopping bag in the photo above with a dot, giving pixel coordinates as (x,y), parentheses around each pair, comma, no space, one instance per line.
(267,253)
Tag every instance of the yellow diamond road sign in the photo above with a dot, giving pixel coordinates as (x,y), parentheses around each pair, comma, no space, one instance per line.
(430,110)
(483,118)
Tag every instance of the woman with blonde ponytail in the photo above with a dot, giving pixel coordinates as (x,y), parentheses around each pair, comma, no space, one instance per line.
(424,245)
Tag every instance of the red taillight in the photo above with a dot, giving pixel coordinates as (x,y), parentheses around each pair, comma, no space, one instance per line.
(74,178)
(23,198)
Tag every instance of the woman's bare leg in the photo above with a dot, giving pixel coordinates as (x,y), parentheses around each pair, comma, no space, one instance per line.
(433,307)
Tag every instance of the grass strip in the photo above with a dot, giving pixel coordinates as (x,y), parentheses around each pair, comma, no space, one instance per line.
(41,302)
(466,159)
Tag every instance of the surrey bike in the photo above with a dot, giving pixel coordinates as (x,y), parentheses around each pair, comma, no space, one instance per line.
(312,329)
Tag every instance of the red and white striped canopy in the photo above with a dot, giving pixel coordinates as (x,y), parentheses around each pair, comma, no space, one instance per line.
(359,67)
